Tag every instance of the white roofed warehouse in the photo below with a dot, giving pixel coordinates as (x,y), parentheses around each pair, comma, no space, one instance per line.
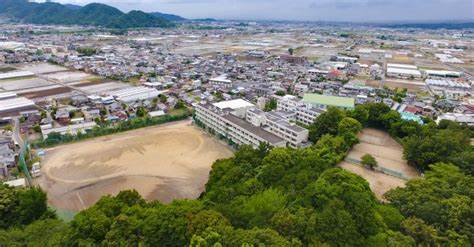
(405,71)
(13,106)
(134,94)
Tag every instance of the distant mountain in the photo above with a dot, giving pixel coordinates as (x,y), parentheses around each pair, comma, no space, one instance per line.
(433,25)
(72,6)
(206,20)
(93,14)
(168,17)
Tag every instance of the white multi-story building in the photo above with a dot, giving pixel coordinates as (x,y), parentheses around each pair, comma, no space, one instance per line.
(221,81)
(227,119)
(305,113)
(281,124)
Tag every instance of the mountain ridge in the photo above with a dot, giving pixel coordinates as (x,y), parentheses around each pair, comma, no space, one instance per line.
(169,17)
(93,14)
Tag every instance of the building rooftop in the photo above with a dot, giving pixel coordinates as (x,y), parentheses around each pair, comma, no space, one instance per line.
(328,100)
(15,103)
(233,104)
(15,74)
(265,135)
(402,66)
(403,71)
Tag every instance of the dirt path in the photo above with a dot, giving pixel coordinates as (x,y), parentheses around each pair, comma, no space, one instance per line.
(162,163)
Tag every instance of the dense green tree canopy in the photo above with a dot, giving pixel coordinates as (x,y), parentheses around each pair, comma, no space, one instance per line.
(282,197)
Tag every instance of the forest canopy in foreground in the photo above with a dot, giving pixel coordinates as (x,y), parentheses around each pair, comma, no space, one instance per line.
(283,197)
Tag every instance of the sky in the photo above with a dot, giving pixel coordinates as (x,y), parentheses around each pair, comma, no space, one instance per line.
(303,10)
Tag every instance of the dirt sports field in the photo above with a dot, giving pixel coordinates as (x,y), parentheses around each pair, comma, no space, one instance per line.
(388,153)
(162,163)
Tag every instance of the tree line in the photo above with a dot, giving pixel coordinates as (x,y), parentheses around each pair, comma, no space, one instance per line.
(278,197)
(108,128)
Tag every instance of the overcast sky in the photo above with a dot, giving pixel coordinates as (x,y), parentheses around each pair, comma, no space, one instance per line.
(315,10)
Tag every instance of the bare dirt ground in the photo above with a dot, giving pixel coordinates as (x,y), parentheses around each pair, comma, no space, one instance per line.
(42,68)
(162,163)
(410,85)
(388,153)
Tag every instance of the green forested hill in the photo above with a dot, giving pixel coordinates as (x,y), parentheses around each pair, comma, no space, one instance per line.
(283,197)
(94,14)
(168,17)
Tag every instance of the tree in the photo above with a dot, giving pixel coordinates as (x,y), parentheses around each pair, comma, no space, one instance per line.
(205,220)
(280,93)
(124,231)
(207,238)
(295,223)
(291,51)
(163,98)
(258,209)
(141,111)
(369,161)
(8,127)
(376,111)
(391,216)
(464,160)
(167,225)
(48,232)
(360,113)
(270,105)
(348,125)
(326,123)
(255,237)
(86,51)
(421,232)
(91,225)
(353,192)
(336,226)
(180,105)
(275,165)
(390,239)
(22,206)
(277,197)
(421,151)
(443,200)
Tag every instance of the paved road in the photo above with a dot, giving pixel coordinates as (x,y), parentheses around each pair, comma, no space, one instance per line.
(16,134)
(18,140)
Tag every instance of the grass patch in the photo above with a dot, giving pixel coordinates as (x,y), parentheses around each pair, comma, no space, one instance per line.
(178,112)
(64,214)
(19,78)
(96,79)
(6,69)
